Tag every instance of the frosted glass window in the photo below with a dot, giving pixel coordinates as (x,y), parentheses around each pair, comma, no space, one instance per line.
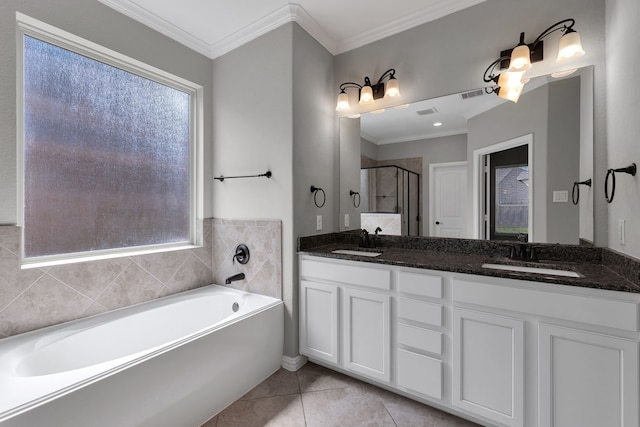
(106,156)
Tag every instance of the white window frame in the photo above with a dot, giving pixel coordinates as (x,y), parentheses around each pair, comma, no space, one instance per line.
(27,26)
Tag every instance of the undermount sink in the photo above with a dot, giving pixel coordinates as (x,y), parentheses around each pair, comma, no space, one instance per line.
(536,270)
(355,252)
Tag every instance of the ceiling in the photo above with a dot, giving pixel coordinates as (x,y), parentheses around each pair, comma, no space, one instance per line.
(215,27)
(414,122)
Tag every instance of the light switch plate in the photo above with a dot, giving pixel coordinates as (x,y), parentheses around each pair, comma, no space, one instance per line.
(318,222)
(560,196)
(346,220)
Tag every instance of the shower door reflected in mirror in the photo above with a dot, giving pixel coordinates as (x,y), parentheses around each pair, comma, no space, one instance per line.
(390,200)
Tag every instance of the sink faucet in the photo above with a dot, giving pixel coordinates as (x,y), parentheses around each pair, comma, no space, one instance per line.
(365,239)
(239,276)
(521,251)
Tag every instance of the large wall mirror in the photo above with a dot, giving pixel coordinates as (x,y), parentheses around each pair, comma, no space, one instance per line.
(471,165)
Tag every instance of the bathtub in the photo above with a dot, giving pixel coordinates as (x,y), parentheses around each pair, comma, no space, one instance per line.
(174,361)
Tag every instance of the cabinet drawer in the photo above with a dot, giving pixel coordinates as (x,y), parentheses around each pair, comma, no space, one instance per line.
(420,311)
(420,373)
(424,285)
(351,274)
(595,310)
(422,339)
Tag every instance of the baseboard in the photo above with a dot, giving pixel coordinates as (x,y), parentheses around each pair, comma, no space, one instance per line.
(293,363)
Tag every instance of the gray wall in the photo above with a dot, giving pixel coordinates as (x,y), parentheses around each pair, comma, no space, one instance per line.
(267,115)
(563,161)
(623,124)
(315,156)
(100,24)
(428,68)
(350,152)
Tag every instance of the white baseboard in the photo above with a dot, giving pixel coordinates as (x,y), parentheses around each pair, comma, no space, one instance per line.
(293,363)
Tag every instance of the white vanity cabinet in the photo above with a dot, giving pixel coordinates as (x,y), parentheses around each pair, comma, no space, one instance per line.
(488,366)
(587,379)
(419,338)
(345,315)
(581,355)
(502,352)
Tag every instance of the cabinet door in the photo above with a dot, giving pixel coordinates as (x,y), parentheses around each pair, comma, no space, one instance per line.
(319,321)
(488,366)
(367,342)
(586,379)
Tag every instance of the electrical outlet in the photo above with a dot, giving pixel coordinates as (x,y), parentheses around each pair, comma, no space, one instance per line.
(346,220)
(318,222)
(621,231)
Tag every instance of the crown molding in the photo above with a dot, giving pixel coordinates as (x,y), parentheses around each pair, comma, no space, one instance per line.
(421,137)
(159,24)
(427,14)
(291,12)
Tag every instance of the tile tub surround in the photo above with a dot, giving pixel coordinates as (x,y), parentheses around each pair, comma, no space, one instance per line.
(263,272)
(602,268)
(316,396)
(38,297)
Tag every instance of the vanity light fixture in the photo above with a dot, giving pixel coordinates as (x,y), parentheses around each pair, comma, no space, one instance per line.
(368,93)
(517,61)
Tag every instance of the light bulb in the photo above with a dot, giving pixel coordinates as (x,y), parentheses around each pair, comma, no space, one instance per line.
(343,102)
(366,95)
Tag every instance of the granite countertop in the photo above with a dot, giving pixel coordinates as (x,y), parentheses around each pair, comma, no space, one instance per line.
(595,273)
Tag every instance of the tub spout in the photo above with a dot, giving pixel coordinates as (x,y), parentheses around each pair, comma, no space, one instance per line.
(239,276)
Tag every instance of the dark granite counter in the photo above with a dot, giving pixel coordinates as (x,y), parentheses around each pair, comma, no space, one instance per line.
(610,270)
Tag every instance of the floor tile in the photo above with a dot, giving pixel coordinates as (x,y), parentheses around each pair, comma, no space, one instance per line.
(409,413)
(314,377)
(351,406)
(281,383)
(278,411)
(316,396)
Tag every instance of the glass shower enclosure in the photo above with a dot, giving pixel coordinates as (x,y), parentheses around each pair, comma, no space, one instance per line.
(390,200)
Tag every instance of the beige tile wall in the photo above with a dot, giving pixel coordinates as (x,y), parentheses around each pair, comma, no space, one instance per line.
(263,272)
(38,297)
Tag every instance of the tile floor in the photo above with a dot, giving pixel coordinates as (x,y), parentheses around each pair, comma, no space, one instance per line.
(316,396)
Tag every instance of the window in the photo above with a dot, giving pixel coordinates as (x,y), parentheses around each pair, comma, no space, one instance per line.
(109,151)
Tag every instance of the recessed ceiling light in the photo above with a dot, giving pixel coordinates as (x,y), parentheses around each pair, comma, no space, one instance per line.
(437,124)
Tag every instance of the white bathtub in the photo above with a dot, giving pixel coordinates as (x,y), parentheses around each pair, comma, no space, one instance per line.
(175,361)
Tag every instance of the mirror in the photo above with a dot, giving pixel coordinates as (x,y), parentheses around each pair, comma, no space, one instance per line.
(553,125)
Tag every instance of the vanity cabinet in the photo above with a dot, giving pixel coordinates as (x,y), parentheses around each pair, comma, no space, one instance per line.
(319,333)
(488,366)
(587,379)
(581,355)
(499,351)
(345,316)
(419,338)
(366,328)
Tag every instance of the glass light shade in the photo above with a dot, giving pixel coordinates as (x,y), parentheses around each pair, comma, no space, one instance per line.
(520,58)
(510,79)
(511,93)
(569,47)
(343,102)
(366,95)
(392,88)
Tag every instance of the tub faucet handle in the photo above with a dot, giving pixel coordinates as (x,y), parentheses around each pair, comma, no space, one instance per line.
(241,254)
